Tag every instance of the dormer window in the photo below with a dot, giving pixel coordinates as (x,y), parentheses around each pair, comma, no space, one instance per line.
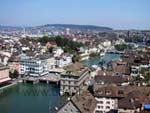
(120,92)
(100,92)
(108,92)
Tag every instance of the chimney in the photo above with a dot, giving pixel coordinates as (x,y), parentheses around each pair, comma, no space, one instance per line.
(104,74)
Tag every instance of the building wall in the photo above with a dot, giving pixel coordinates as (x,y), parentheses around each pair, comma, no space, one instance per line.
(106,43)
(4,60)
(33,67)
(69,86)
(73,85)
(126,111)
(120,110)
(51,63)
(64,61)
(105,104)
(4,74)
(57,51)
(14,66)
(68,108)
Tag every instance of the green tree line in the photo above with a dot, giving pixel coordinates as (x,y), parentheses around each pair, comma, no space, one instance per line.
(67,44)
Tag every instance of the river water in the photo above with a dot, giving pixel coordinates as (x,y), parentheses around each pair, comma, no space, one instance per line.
(29,98)
(97,59)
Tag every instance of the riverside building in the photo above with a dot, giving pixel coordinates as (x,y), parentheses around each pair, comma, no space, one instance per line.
(33,67)
(74,78)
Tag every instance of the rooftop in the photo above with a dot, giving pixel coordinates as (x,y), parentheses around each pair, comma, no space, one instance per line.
(141,94)
(44,56)
(108,91)
(120,66)
(129,103)
(74,69)
(111,79)
(85,102)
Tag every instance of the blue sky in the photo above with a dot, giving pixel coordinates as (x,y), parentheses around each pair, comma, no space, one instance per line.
(118,14)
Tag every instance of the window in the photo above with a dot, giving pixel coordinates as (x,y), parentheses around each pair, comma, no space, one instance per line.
(98,111)
(117,73)
(108,92)
(100,107)
(75,83)
(107,107)
(64,82)
(120,92)
(107,102)
(100,102)
(65,109)
(100,92)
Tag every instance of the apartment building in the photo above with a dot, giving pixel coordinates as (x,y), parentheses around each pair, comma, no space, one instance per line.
(74,78)
(63,60)
(4,74)
(33,67)
(49,60)
(107,99)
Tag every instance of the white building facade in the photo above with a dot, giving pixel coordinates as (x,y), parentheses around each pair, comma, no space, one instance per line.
(63,61)
(33,67)
(57,51)
(105,104)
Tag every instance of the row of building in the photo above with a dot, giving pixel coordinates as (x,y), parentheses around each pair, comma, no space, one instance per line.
(107,95)
(112,90)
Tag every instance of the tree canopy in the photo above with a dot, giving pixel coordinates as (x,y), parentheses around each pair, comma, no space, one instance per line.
(122,47)
(14,74)
(65,43)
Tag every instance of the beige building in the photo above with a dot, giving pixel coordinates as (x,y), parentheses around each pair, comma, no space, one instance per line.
(4,74)
(74,78)
(106,97)
(50,60)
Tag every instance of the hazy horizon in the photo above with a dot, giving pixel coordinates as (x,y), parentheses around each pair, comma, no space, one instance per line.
(116,14)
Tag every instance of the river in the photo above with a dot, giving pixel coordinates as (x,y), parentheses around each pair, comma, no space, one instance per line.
(97,59)
(29,98)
